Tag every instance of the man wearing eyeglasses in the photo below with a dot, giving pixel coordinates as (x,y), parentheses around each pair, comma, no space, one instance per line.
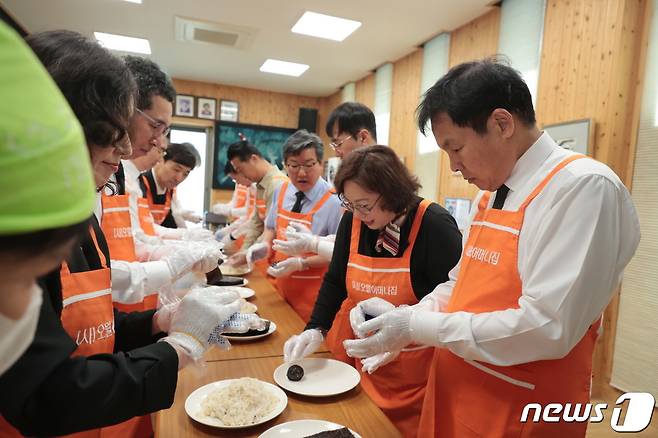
(307,199)
(351,125)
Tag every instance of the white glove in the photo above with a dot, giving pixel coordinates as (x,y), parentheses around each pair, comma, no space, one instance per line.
(239,212)
(222,209)
(286,267)
(299,346)
(198,315)
(234,229)
(193,258)
(195,234)
(372,307)
(391,332)
(257,251)
(164,315)
(141,236)
(297,242)
(191,216)
(371,364)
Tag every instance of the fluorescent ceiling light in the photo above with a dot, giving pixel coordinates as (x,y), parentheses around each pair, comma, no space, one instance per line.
(283,67)
(134,1)
(123,43)
(325,26)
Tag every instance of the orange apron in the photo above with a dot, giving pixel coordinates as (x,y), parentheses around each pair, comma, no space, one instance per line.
(159,211)
(299,289)
(398,387)
(245,194)
(261,211)
(116,225)
(467,398)
(88,318)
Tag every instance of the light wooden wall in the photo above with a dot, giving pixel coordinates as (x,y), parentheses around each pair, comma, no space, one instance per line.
(326,107)
(475,40)
(590,65)
(256,106)
(365,91)
(406,91)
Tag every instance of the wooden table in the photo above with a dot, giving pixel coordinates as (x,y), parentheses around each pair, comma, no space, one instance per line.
(259,359)
(353,409)
(270,306)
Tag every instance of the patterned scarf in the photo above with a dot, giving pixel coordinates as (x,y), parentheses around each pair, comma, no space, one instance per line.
(389,237)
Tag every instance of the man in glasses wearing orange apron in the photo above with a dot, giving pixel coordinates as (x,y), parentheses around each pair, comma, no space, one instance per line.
(309,200)
(549,236)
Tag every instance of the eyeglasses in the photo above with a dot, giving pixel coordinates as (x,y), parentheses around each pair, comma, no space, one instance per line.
(159,127)
(335,145)
(364,210)
(294,167)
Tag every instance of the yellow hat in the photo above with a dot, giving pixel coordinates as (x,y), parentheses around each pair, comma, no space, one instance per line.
(45,173)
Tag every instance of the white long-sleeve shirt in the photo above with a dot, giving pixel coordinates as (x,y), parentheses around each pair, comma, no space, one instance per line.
(577,237)
(132,281)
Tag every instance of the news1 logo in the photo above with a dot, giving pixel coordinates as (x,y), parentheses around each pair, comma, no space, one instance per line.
(638,413)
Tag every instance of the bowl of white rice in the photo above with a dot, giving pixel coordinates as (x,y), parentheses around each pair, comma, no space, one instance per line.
(236,403)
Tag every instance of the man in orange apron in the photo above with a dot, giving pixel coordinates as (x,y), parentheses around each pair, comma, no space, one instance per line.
(307,199)
(248,161)
(393,245)
(240,209)
(518,320)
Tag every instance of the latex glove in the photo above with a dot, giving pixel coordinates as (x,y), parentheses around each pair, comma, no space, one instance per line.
(296,242)
(286,267)
(371,364)
(164,315)
(191,216)
(237,259)
(372,307)
(299,346)
(240,212)
(257,251)
(195,234)
(192,258)
(145,238)
(211,253)
(197,316)
(222,209)
(391,332)
(232,229)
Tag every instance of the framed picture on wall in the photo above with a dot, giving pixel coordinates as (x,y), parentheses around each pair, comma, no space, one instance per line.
(229,110)
(576,135)
(206,108)
(184,106)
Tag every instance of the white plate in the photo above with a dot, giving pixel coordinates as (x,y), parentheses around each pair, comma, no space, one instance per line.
(247,307)
(194,400)
(271,330)
(300,428)
(234,271)
(322,377)
(244,292)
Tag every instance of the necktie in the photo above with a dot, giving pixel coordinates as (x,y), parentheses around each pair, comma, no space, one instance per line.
(297,208)
(501,194)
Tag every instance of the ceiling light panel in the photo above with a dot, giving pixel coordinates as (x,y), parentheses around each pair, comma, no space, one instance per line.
(325,26)
(123,43)
(283,67)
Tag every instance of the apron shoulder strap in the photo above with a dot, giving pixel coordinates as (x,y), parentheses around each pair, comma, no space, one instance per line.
(282,194)
(418,219)
(548,177)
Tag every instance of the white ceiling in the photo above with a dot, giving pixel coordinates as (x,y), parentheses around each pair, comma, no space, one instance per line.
(390,30)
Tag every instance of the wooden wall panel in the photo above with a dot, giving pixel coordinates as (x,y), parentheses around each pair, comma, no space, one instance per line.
(404,100)
(592,59)
(326,107)
(365,91)
(475,40)
(256,106)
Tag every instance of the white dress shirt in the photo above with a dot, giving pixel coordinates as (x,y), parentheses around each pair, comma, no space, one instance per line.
(577,237)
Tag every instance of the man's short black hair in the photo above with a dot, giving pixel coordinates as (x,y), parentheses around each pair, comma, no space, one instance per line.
(352,117)
(228,168)
(184,154)
(469,93)
(242,150)
(301,140)
(151,81)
